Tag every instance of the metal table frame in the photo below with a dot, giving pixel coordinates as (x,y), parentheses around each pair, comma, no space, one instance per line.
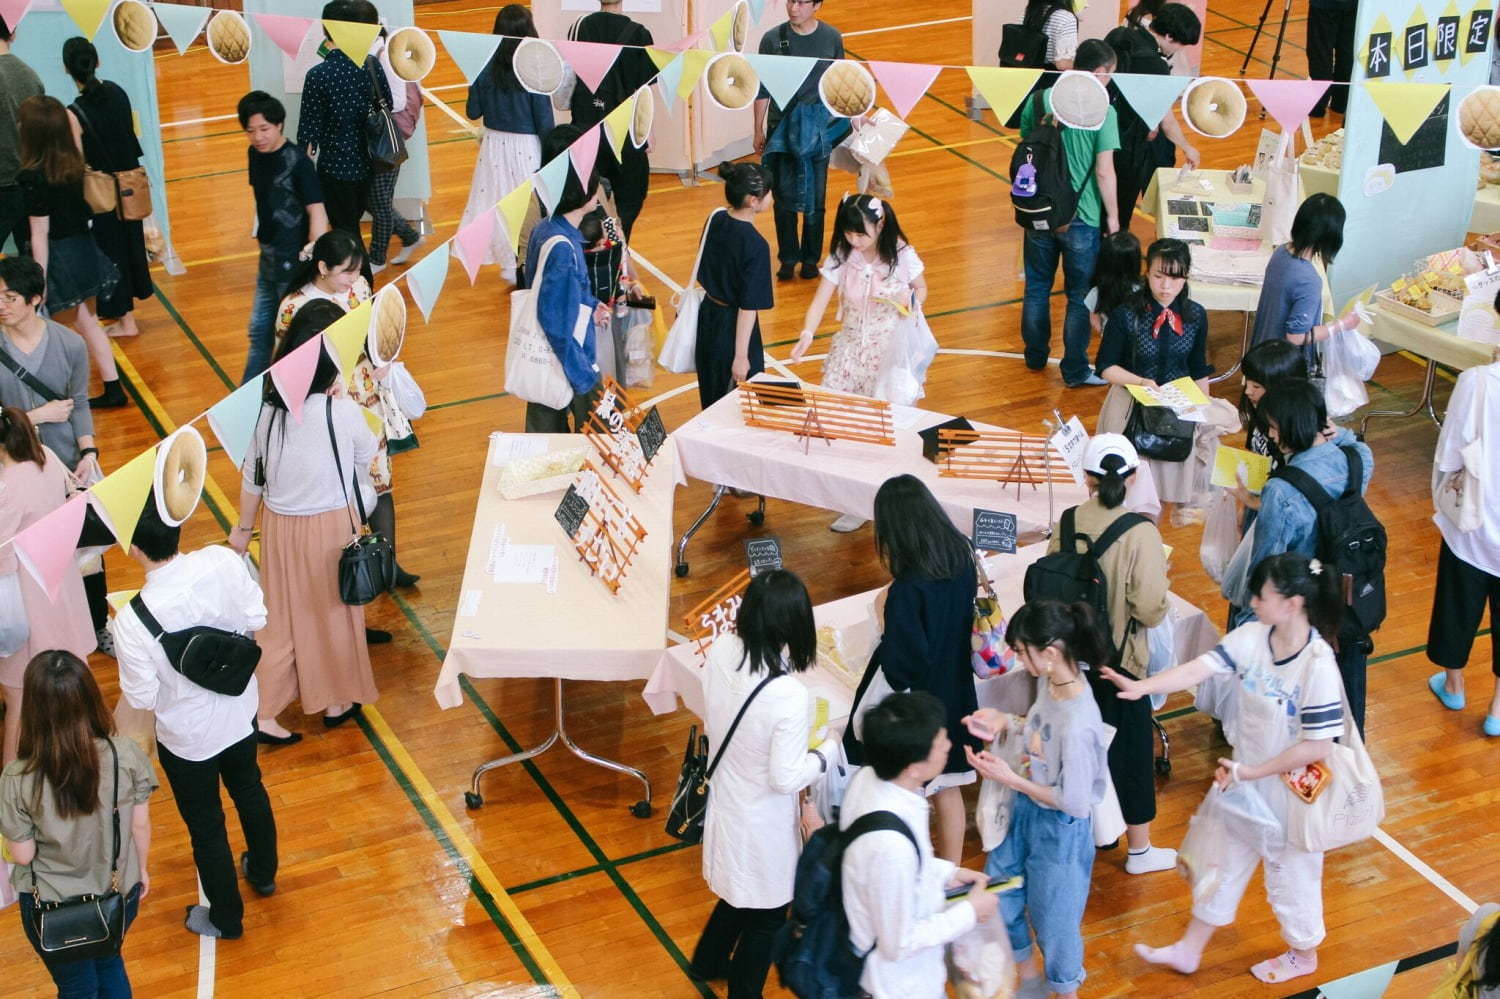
(756,517)
(1429,379)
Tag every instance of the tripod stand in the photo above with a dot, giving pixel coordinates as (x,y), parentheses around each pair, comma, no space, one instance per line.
(1286,10)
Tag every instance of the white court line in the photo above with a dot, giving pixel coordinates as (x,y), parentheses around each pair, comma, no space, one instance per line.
(1439,882)
(196,121)
(660,274)
(903,27)
(207,956)
(463,122)
(676,636)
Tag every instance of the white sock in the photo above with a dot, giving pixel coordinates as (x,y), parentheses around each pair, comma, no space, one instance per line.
(1150,859)
(1174,957)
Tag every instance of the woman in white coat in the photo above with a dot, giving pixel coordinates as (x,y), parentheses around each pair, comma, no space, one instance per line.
(751,837)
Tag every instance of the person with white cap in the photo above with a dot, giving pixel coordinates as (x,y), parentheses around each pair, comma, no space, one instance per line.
(1134,563)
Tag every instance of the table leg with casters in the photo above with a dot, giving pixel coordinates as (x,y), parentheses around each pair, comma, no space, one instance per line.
(713,504)
(473,799)
(1428,380)
(1234,368)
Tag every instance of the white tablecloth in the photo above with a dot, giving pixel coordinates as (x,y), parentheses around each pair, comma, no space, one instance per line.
(583,631)
(1486,217)
(679,673)
(1439,343)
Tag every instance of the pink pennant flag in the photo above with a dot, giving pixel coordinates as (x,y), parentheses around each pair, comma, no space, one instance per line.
(683,44)
(13,11)
(1288,101)
(286,30)
(904,82)
(46,548)
(583,152)
(473,240)
(294,373)
(590,60)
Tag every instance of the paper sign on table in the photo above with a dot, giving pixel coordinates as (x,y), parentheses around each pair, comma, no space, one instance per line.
(508,447)
(1179,394)
(763,554)
(524,563)
(1227,461)
(1070,440)
(468,605)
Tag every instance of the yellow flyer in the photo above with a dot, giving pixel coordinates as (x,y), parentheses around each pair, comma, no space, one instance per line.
(1180,394)
(819,721)
(1228,459)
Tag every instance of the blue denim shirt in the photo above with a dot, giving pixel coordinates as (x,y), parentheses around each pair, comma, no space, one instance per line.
(1287,521)
(518,111)
(564,287)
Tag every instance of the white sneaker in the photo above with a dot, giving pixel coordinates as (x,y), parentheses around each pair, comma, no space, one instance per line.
(406,251)
(1156,858)
(847,523)
(376,268)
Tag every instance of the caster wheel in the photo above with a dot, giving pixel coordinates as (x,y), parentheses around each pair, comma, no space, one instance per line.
(756,517)
(641,809)
(1163,768)
(473,800)
(682,570)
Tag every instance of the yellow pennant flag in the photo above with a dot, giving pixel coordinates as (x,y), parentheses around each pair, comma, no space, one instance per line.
(377,425)
(346,338)
(88,15)
(694,62)
(1002,88)
(513,212)
(352,38)
(617,124)
(1405,106)
(719,30)
(660,56)
(123,494)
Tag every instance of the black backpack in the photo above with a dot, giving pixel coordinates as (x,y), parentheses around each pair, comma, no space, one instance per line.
(1042,189)
(813,955)
(1071,576)
(1025,47)
(1350,540)
(215,659)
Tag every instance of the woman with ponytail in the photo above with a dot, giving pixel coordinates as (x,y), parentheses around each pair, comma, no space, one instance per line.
(1288,707)
(1050,841)
(33,483)
(735,273)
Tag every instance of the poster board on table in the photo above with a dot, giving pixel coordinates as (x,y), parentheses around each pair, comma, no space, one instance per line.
(272,71)
(38,43)
(1095,20)
(1421,190)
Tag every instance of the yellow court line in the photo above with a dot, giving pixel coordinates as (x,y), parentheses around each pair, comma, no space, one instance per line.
(951,145)
(455,833)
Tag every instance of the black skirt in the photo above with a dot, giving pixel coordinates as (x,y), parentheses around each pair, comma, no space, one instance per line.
(713,354)
(124,243)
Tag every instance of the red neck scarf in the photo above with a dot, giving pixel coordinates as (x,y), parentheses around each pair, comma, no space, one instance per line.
(1166,317)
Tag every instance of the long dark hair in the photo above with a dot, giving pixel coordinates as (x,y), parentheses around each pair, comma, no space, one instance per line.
(513,21)
(1074,628)
(62,713)
(1292,575)
(1176,259)
(81,60)
(18,436)
(1038,11)
(335,249)
(1297,408)
(1269,364)
(1117,272)
(913,536)
(776,614)
(309,321)
(46,141)
(860,213)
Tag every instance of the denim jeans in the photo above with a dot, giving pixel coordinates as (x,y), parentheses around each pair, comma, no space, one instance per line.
(1054,852)
(1078,245)
(270,284)
(103,977)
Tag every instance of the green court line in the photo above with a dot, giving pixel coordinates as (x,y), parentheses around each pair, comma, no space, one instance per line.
(187,330)
(596,868)
(203,176)
(200,138)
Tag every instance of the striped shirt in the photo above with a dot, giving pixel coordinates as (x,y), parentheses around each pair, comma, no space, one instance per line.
(1307,685)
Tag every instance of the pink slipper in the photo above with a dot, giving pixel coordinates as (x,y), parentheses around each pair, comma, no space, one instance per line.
(1283,968)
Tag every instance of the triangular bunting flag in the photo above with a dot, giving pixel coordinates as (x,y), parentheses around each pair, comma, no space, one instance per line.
(694,62)
(757,8)
(782,76)
(87,14)
(182,22)
(46,548)
(473,239)
(294,373)
(904,82)
(353,38)
(668,79)
(1151,97)
(346,338)
(1288,101)
(590,60)
(552,177)
(617,124)
(719,30)
(233,418)
(584,152)
(1003,88)
(286,30)
(683,44)
(121,495)
(660,57)
(470,51)
(373,421)
(425,279)
(1368,984)
(13,11)
(513,212)
(1405,106)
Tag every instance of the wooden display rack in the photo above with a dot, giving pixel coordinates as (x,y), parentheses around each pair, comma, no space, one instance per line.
(813,412)
(608,534)
(613,427)
(715,615)
(1002,455)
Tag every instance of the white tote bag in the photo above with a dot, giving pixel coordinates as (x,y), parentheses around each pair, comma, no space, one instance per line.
(1283,187)
(407,392)
(533,371)
(678,351)
(1459,494)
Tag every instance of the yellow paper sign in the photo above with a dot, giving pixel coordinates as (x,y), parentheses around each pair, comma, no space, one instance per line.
(819,721)
(1361,297)
(347,336)
(1227,461)
(1405,106)
(1167,550)
(1182,392)
(119,598)
(372,420)
(660,56)
(719,30)
(353,38)
(123,494)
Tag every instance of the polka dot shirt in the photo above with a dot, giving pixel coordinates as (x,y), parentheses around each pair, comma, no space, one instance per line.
(336,99)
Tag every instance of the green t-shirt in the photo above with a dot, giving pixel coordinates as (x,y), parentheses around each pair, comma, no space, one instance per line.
(1082,147)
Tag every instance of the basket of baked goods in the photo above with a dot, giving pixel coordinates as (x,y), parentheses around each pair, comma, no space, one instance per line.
(1445,272)
(1319,166)
(1412,297)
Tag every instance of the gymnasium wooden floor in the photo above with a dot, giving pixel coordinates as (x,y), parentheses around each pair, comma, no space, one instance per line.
(389,887)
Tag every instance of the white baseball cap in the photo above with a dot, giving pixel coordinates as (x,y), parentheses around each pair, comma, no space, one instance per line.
(1101,445)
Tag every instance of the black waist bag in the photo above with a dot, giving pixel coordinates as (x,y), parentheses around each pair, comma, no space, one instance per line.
(214,659)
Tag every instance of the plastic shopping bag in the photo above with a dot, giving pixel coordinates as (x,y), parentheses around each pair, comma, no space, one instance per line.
(1235,584)
(1221,534)
(1161,640)
(1204,851)
(1349,360)
(996,800)
(1246,809)
(14,628)
(981,964)
(408,393)
(827,792)
(903,371)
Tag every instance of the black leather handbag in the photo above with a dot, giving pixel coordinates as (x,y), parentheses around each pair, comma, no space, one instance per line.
(367,565)
(1158,433)
(383,139)
(690,800)
(86,927)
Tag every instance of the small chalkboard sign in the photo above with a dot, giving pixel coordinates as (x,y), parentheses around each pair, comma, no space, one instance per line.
(571,511)
(994,531)
(652,434)
(763,553)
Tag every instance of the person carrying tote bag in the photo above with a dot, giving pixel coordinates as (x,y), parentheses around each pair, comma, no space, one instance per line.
(682,339)
(533,371)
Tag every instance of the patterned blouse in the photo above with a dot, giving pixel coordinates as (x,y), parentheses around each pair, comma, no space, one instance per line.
(1162,348)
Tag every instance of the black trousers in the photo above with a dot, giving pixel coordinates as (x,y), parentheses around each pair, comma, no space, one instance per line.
(1330,54)
(1353,659)
(346,202)
(790,248)
(1128,186)
(1132,752)
(195,786)
(736,944)
(1457,608)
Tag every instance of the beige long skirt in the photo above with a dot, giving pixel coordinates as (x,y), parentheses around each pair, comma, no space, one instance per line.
(1176,481)
(313,645)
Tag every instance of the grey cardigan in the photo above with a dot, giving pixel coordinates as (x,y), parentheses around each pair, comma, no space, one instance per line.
(61,362)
